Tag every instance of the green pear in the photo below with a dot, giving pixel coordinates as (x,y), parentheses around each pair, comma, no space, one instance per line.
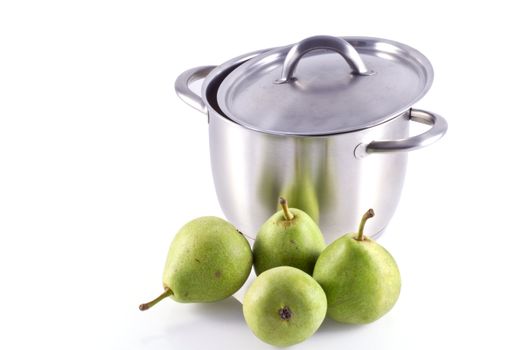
(359,277)
(289,237)
(284,306)
(208,260)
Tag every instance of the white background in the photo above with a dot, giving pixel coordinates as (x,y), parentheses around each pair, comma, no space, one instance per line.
(101,163)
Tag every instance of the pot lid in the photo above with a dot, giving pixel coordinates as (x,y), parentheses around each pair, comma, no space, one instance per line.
(308,89)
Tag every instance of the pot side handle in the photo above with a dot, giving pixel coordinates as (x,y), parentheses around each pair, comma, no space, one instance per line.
(182,87)
(437,130)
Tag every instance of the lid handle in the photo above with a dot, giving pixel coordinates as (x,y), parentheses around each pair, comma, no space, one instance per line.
(339,45)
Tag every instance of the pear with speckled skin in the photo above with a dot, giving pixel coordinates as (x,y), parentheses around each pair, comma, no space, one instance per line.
(208,260)
(359,277)
(284,306)
(288,238)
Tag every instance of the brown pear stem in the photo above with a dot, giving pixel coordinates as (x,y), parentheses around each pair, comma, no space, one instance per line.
(167,292)
(286,212)
(369,214)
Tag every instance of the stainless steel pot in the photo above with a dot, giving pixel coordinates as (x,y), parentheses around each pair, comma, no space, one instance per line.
(336,176)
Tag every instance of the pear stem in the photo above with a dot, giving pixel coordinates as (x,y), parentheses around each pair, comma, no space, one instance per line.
(369,214)
(167,292)
(286,212)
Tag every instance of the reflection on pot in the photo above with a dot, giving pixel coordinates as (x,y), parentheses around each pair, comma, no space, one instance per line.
(301,194)
(302,187)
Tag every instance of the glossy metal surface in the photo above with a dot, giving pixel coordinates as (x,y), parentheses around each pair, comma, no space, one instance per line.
(437,130)
(323,98)
(182,86)
(346,50)
(252,169)
(183,81)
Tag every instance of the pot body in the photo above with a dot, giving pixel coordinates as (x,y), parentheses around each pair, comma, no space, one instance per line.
(320,175)
(335,178)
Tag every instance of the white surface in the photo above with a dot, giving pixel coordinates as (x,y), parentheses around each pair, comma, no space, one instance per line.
(100,164)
